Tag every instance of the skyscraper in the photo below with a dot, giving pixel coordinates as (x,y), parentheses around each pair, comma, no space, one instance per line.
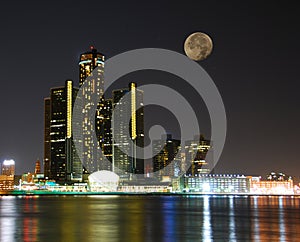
(89,61)
(195,153)
(47,138)
(165,162)
(130,109)
(65,165)
(104,132)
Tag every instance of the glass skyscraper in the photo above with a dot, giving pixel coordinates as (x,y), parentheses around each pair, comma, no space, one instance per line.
(88,63)
(196,155)
(165,162)
(129,109)
(65,165)
(47,138)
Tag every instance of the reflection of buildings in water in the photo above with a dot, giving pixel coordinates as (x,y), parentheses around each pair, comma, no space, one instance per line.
(8,218)
(273,228)
(169,220)
(281,219)
(255,221)
(232,235)
(71,213)
(106,225)
(30,221)
(206,228)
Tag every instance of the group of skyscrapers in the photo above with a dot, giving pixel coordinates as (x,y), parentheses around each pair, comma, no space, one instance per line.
(70,158)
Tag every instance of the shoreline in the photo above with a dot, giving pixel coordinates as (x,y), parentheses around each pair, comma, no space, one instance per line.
(183,194)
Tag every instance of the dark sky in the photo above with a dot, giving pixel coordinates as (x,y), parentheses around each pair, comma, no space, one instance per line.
(255,64)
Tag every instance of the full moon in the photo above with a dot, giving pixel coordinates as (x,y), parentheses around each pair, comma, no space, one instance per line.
(198,46)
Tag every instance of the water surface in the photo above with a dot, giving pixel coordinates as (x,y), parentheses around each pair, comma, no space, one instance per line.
(149,218)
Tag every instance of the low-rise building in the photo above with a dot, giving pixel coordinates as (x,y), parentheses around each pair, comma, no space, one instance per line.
(6,183)
(271,187)
(216,183)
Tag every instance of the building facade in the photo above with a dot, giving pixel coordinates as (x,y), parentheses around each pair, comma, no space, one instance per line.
(216,183)
(128,118)
(65,165)
(167,161)
(7,175)
(104,133)
(91,68)
(47,138)
(8,168)
(195,154)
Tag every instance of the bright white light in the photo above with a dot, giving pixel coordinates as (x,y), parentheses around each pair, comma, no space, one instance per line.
(8,162)
(206,187)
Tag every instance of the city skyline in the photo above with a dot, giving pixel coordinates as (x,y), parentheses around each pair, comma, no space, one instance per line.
(258,84)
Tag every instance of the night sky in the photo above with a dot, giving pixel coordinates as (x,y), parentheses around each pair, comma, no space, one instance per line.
(255,65)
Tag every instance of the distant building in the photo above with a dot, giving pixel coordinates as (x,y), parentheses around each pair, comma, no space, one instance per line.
(195,154)
(271,187)
(7,177)
(165,162)
(6,183)
(123,164)
(8,167)
(37,168)
(273,176)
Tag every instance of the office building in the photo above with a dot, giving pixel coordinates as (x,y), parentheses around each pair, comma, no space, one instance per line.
(195,154)
(65,165)
(104,133)
(91,66)
(129,118)
(47,138)
(165,162)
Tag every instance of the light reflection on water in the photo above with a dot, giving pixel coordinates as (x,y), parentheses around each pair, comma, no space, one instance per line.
(150,218)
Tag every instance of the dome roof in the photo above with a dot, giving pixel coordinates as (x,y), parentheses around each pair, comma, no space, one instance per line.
(103,176)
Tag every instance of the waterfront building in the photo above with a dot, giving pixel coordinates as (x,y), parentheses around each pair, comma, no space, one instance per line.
(273,176)
(7,175)
(130,117)
(216,183)
(103,181)
(6,183)
(271,187)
